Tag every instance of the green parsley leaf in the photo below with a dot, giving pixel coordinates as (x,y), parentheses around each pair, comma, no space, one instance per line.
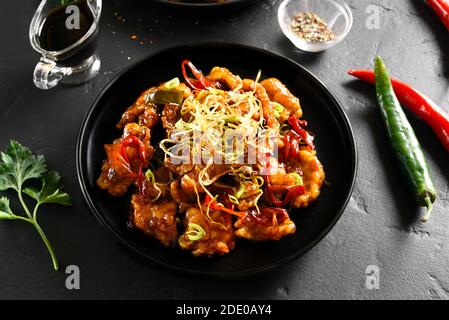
(50,191)
(5,210)
(17,165)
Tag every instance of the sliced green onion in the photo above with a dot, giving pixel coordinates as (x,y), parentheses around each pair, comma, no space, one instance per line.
(150,176)
(284,128)
(195,232)
(298,179)
(234,199)
(172,84)
(239,193)
(278,109)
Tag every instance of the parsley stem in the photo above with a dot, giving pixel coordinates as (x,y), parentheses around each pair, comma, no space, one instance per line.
(47,244)
(27,211)
(35,211)
(22,218)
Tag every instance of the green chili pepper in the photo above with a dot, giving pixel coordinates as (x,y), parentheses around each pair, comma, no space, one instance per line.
(404,141)
(168,93)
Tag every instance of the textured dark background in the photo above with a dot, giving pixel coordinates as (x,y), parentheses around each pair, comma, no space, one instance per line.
(378,227)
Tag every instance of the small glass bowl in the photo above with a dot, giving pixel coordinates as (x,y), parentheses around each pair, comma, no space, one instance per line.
(336,13)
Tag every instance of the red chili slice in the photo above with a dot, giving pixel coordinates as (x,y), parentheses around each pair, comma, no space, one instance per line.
(200,82)
(291,192)
(297,125)
(134,142)
(219,207)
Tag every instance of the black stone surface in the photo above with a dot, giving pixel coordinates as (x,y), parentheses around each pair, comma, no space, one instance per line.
(379,226)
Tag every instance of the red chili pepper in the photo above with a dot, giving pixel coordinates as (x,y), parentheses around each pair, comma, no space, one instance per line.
(297,125)
(291,193)
(134,142)
(416,102)
(200,82)
(444,4)
(292,139)
(441,8)
(219,207)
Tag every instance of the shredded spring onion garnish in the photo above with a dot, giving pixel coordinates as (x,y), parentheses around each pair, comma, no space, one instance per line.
(195,232)
(217,124)
(221,127)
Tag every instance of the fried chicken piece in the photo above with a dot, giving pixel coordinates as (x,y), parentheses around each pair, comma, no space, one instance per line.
(179,195)
(190,181)
(150,117)
(170,115)
(161,188)
(269,224)
(144,112)
(219,238)
(179,169)
(112,182)
(261,94)
(184,88)
(115,171)
(156,219)
(279,93)
(249,197)
(313,176)
(143,133)
(225,77)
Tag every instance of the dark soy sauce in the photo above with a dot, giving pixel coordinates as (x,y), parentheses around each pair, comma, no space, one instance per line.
(55,35)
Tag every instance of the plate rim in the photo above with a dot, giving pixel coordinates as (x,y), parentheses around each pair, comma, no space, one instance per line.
(352,146)
(227,4)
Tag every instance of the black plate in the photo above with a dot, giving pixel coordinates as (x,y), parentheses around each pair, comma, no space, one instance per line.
(334,139)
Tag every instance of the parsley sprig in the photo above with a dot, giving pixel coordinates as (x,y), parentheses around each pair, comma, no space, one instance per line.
(17,167)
